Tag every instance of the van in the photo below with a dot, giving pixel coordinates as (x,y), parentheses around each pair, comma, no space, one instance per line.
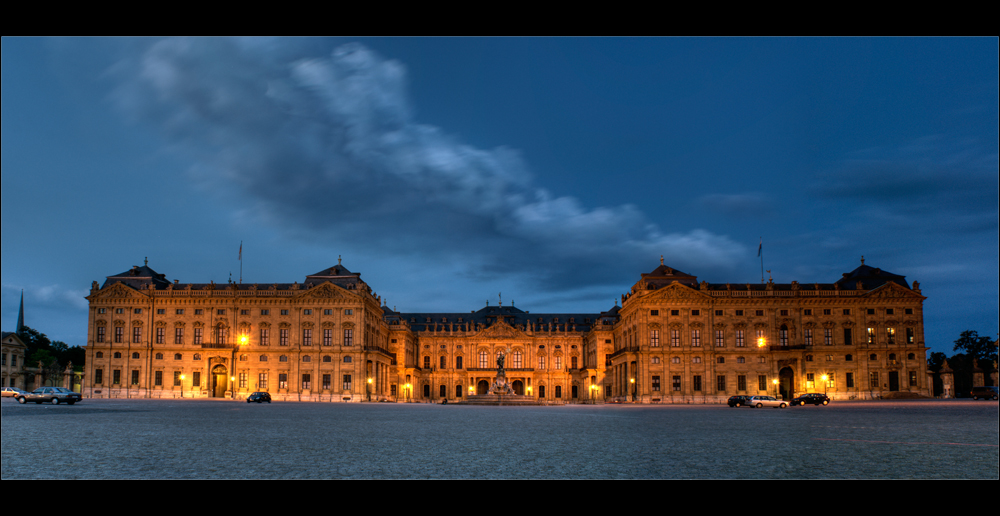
(986,393)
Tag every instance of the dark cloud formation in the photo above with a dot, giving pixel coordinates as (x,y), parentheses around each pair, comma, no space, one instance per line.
(329,145)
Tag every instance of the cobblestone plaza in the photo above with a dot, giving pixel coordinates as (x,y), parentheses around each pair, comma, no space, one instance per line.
(216,439)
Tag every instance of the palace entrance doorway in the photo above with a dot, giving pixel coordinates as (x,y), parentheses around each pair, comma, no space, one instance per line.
(482,388)
(220,381)
(786,383)
(518,386)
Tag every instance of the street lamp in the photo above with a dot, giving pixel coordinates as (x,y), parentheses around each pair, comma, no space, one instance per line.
(775,382)
(825,378)
(369,387)
(593,392)
(632,381)
(182,384)
(408,393)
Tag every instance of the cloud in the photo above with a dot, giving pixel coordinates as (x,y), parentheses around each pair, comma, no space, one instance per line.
(328,146)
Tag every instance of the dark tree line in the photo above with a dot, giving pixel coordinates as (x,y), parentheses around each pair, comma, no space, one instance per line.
(974,350)
(54,356)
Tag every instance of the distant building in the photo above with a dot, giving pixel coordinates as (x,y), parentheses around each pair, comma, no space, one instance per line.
(672,340)
(12,368)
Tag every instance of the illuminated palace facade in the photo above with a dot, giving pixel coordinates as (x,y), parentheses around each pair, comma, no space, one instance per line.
(672,340)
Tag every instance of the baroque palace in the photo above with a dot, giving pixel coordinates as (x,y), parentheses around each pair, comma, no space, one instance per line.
(672,340)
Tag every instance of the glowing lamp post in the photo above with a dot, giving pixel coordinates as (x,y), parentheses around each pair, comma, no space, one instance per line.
(632,381)
(369,387)
(182,384)
(825,378)
(775,382)
(408,392)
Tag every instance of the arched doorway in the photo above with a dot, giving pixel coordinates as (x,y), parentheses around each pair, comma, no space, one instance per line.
(786,383)
(482,387)
(518,386)
(220,381)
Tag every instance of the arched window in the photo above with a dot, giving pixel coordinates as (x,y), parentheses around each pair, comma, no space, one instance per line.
(159,356)
(518,360)
(283,358)
(873,356)
(135,356)
(177,356)
(307,358)
(484,359)
(347,359)
(263,358)
(117,355)
(99,354)
(327,359)
(243,358)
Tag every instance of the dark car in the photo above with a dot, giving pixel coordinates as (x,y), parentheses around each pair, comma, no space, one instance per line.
(738,401)
(53,395)
(813,398)
(986,393)
(259,397)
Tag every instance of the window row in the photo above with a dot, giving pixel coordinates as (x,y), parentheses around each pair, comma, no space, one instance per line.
(221,336)
(785,312)
(221,311)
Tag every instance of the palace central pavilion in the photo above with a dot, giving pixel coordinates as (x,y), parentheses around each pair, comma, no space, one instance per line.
(672,340)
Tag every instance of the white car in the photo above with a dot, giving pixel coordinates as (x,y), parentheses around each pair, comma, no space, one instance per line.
(766,401)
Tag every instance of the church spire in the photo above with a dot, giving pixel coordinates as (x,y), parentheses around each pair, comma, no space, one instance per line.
(20,317)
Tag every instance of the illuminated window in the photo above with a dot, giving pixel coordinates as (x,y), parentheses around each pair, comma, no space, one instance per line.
(656,360)
(740,342)
(675,360)
(161,335)
(282,380)
(262,381)
(890,335)
(307,337)
(810,381)
(720,340)
(654,338)
(517,361)
(265,337)
(347,382)
(178,335)
(283,337)
(696,338)
(675,338)
(306,381)
(327,337)
(197,336)
(808,334)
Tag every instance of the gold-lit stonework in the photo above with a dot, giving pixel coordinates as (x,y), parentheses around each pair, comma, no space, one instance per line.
(672,340)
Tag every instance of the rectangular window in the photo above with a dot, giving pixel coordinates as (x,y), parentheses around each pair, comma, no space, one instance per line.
(829,381)
(741,382)
(871,335)
(284,312)
(135,377)
(739,339)
(783,336)
(348,312)
(178,335)
(739,313)
(810,381)
(760,313)
(348,337)
(307,337)
(458,362)
(873,379)
(541,363)
(761,341)
(243,380)
(676,383)
(98,376)
(327,337)
(784,313)
(656,384)
(326,381)
(119,334)
(137,335)
(158,378)
(720,383)
(306,381)
(847,311)
(558,391)
(720,338)
(654,312)
(808,334)
(262,381)
(913,378)
(327,312)
(177,378)
(197,336)
(244,312)
(443,363)
(890,336)
(282,380)
(220,335)
(283,337)
(654,338)
(695,383)
(909,335)
(137,311)
(675,312)
(265,337)
(558,361)
(828,337)
(198,311)
(161,311)
(265,312)
(675,338)
(347,382)
(847,337)
(807,312)
(161,335)
(307,312)
(196,379)
(762,383)
(100,334)
(696,338)
(718,312)
(116,377)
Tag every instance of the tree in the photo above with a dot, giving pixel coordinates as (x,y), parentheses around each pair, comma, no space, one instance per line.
(981,348)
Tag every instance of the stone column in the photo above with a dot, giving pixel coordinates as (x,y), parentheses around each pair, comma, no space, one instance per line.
(947,381)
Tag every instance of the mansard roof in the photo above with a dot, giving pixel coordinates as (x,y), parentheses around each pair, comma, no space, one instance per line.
(870,277)
(139,277)
(489,315)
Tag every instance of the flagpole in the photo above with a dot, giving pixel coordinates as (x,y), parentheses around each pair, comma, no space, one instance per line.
(760,253)
(241,262)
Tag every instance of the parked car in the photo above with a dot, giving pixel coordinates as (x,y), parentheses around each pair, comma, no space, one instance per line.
(766,401)
(53,395)
(738,401)
(12,392)
(812,398)
(986,393)
(259,397)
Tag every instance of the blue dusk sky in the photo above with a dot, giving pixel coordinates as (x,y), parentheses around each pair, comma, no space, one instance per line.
(449,170)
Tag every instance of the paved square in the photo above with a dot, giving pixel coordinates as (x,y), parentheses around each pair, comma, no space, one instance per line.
(206,439)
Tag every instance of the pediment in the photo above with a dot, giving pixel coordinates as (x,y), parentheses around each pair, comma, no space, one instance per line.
(892,290)
(117,291)
(325,290)
(678,290)
(499,331)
